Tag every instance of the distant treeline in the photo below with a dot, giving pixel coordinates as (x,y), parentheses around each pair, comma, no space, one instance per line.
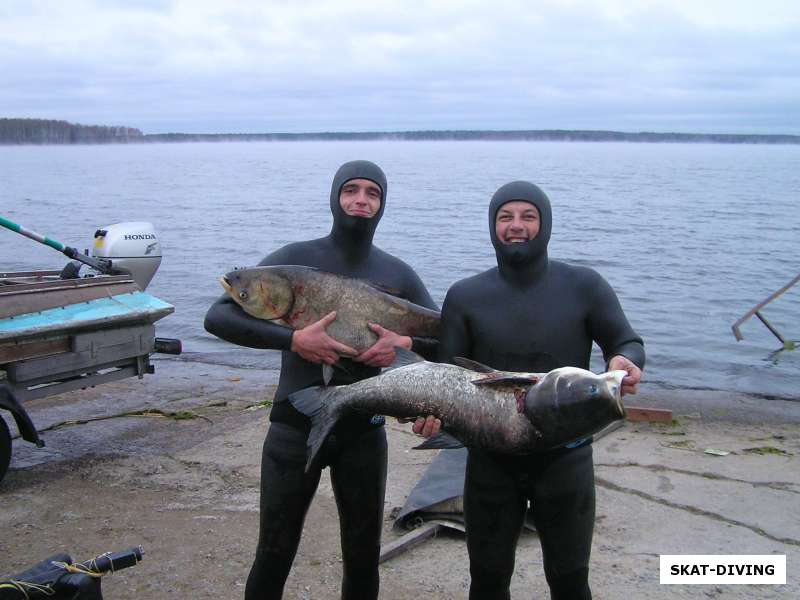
(534,135)
(37,131)
(41,131)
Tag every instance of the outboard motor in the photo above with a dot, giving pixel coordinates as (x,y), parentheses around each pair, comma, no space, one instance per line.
(132,247)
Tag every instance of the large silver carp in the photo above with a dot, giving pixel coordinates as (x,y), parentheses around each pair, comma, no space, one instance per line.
(297,296)
(514,413)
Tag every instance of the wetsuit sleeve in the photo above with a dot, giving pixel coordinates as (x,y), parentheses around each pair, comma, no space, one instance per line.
(427,348)
(610,328)
(226,320)
(418,294)
(454,335)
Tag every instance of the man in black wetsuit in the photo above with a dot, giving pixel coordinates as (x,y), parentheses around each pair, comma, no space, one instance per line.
(532,314)
(356,452)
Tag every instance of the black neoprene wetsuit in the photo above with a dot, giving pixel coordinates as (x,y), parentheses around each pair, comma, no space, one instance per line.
(356,452)
(532,314)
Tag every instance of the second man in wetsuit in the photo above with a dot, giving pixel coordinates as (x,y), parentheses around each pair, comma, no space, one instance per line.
(532,314)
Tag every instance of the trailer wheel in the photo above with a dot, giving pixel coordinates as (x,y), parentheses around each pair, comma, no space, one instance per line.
(5,447)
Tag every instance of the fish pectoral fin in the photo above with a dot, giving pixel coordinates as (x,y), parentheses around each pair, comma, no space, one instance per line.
(472,365)
(340,365)
(440,441)
(403,358)
(499,379)
(327,373)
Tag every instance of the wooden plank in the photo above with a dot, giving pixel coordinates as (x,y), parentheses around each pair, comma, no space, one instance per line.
(408,541)
(25,350)
(26,284)
(651,415)
(90,351)
(29,274)
(21,299)
(131,369)
(102,313)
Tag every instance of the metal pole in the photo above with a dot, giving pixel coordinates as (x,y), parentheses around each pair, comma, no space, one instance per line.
(770,327)
(100,264)
(755,311)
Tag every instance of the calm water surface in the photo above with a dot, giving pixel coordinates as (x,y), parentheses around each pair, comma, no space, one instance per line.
(690,235)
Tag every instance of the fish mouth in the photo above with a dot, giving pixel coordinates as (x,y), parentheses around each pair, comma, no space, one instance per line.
(615,386)
(223,281)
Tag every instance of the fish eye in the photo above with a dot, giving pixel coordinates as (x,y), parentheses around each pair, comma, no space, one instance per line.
(243,295)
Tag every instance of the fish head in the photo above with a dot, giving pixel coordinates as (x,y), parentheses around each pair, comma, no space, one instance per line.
(613,381)
(577,393)
(262,292)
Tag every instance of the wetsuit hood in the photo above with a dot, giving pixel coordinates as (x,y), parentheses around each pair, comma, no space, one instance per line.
(347,228)
(526,257)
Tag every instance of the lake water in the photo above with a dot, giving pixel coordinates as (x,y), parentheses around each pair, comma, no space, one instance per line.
(689,235)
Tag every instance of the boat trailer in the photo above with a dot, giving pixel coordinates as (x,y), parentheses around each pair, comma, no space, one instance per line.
(62,331)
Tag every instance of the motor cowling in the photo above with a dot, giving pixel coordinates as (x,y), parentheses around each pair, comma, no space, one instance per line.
(132,247)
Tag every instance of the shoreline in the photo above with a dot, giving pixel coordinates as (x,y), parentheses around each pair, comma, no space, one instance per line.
(187,490)
(711,402)
(26,131)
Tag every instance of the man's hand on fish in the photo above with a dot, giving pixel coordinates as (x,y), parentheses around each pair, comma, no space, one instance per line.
(633,377)
(426,426)
(381,353)
(316,346)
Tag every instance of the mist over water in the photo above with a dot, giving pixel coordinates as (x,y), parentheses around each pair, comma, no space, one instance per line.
(691,236)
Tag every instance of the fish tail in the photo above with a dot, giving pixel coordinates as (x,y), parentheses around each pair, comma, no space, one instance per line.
(314,402)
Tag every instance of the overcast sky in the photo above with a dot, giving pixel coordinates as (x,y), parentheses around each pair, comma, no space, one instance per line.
(196,66)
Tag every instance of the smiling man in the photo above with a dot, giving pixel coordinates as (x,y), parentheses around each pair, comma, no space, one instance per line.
(356,452)
(532,314)
(517,222)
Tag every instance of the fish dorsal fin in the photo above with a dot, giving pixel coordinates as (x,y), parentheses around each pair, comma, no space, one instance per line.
(403,358)
(440,441)
(498,378)
(472,365)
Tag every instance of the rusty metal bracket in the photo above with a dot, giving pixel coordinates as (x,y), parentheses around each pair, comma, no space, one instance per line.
(756,311)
